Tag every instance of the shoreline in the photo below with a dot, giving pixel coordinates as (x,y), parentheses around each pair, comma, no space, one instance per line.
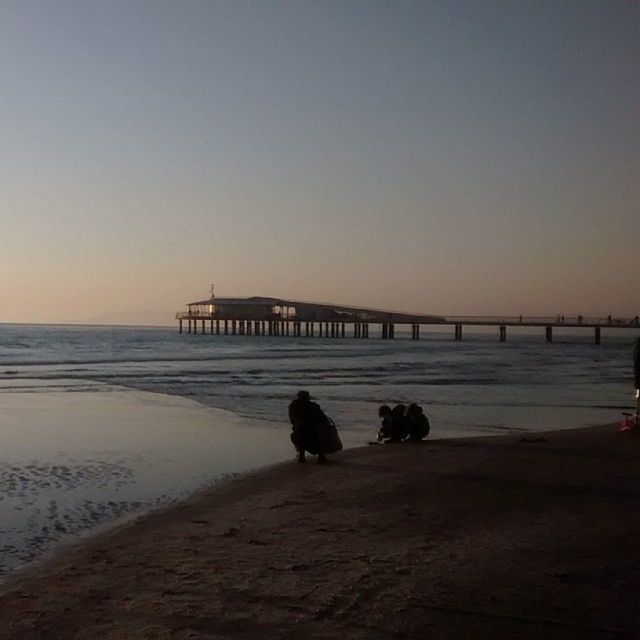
(122,523)
(527,535)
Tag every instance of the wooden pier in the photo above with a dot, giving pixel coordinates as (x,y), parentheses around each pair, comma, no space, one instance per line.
(281,318)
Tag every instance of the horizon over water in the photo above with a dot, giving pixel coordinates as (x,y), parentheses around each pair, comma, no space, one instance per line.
(83,442)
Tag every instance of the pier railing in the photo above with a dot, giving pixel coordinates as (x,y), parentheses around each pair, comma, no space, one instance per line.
(540,321)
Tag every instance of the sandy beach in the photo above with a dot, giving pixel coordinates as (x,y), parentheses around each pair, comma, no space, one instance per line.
(512,537)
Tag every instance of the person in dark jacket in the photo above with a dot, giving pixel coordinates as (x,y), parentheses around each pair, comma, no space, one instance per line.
(305,416)
(419,426)
(396,424)
(384,413)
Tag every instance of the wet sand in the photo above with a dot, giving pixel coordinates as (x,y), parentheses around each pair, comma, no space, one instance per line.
(510,537)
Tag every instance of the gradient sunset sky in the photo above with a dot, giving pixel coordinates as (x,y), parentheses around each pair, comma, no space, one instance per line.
(450,157)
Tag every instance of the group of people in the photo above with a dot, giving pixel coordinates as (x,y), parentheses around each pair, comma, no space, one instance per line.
(312,431)
(403,423)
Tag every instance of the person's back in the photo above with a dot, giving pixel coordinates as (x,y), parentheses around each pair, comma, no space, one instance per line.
(305,416)
(399,428)
(419,426)
(384,432)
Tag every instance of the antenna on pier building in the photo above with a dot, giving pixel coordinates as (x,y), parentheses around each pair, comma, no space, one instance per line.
(212,294)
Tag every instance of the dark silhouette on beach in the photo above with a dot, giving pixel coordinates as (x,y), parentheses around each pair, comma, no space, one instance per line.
(311,429)
(400,423)
(419,426)
(395,425)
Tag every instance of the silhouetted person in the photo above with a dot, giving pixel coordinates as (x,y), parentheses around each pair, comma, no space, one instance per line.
(306,416)
(419,426)
(398,426)
(384,412)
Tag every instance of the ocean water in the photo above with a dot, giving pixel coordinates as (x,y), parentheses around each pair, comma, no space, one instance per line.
(102,423)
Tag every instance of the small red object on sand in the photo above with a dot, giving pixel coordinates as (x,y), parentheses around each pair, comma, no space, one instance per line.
(629,423)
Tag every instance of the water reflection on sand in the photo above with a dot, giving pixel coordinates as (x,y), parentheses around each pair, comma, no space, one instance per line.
(71,462)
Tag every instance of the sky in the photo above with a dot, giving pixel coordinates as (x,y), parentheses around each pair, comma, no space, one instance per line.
(448,157)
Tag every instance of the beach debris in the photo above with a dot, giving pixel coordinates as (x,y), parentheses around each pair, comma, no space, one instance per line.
(533,439)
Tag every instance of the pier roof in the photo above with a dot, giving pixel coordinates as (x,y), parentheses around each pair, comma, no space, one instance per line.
(314,310)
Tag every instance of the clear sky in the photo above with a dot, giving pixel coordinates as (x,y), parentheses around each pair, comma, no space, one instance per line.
(451,157)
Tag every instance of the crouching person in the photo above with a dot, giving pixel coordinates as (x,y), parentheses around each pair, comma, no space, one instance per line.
(306,418)
(419,426)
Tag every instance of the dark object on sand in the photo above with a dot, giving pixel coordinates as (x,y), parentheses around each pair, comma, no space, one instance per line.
(418,423)
(533,439)
(395,425)
(328,438)
(312,430)
(384,412)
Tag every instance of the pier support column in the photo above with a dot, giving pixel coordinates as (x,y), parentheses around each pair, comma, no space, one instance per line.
(211,328)
(202,330)
(385,331)
(312,329)
(598,331)
(342,329)
(366,329)
(226,327)
(549,334)
(503,333)
(392,331)
(458,332)
(217,327)
(180,330)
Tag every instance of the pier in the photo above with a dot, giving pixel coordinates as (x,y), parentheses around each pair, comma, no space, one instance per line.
(258,316)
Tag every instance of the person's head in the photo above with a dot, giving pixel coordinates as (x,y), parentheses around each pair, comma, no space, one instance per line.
(414,409)
(384,411)
(304,396)
(398,410)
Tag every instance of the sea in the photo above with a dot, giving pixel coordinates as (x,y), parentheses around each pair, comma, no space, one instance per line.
(99,424)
